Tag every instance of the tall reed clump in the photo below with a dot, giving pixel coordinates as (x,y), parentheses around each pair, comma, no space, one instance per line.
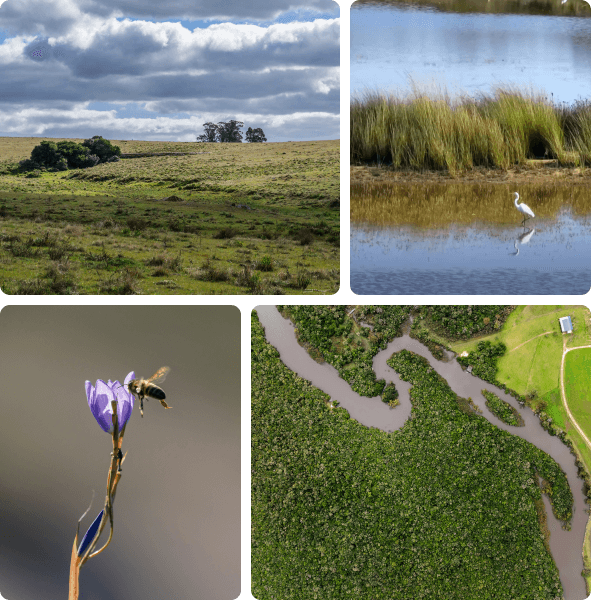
(530,124)
(576,122)
(430,130)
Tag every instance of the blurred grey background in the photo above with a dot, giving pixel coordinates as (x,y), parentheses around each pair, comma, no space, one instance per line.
(177,510)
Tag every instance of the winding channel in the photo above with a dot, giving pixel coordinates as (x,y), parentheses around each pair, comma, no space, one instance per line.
(566,546)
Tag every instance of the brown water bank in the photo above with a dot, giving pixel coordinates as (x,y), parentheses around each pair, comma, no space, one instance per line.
(535,170)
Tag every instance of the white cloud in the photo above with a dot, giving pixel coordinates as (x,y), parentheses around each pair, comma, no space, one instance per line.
(80,56)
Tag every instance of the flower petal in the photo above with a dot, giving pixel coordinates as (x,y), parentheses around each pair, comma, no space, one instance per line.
(100,398)
(89,535)
(89,391)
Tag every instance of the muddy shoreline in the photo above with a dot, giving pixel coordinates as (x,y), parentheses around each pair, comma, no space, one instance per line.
(537,171)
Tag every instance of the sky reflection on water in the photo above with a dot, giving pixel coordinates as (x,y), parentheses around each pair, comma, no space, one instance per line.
(550,256)
(469,52)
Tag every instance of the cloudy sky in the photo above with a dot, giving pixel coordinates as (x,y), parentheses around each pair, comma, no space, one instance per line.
(144,69)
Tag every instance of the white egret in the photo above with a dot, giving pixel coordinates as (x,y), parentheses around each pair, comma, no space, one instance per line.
(587,1)
(524,209)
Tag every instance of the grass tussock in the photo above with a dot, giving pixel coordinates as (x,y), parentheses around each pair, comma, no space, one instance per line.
(431,130)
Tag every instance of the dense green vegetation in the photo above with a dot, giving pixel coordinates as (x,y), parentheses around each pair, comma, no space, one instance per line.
(390,395)
(466,321)
(65,154)
(503,410)
(433,131)
(442,508)
(483,360)
(330,334)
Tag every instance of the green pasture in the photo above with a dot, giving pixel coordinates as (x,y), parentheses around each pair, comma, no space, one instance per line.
(221,218)
(577,386)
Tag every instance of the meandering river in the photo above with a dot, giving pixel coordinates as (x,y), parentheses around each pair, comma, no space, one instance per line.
(566,546)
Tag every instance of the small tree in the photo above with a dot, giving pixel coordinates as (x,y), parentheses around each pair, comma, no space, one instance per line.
(230,131)
(211,133)
(102,148)
(255,135)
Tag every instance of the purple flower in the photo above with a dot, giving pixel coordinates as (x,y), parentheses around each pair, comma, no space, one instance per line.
(99,401)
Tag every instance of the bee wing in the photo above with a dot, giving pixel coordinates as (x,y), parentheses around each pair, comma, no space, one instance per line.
(160,375)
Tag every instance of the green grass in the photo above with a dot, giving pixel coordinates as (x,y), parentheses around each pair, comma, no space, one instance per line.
(430,130)
(577,386)
(236,218)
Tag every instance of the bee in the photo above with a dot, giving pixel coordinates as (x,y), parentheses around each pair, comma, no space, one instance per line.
(147,388)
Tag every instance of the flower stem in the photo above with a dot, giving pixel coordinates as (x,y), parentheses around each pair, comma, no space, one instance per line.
(113,477)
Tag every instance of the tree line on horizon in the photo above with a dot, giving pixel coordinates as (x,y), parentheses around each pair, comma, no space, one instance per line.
(230,132)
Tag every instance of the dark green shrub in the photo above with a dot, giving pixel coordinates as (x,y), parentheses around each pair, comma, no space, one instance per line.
(45,154)
(91,161)
(30,165)
(102,148)
(136,224)
(75,154)
(390,395)
(226,233)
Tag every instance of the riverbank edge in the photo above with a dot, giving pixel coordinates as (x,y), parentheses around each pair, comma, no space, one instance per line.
(538,171)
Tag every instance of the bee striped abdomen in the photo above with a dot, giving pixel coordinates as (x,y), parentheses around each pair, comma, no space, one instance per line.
(155,392)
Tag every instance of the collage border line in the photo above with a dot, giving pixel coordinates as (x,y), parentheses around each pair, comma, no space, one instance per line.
(248,303)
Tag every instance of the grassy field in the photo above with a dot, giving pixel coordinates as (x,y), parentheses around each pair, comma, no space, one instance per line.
(577,384)
(431,130)
(224,218)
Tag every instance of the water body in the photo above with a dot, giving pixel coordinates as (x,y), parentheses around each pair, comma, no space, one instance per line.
(566,546)
(469,53)
(548,257)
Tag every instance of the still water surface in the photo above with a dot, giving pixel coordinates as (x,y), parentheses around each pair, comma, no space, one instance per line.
(469,53)
(565,545)
(551,256)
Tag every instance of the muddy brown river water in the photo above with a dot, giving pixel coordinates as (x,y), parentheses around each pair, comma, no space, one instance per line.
(566,546)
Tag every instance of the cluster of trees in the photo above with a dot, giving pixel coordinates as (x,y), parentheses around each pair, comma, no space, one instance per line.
(484,361)
(230,132)
(65,155)
(464,322)
(444,507)
(503,410)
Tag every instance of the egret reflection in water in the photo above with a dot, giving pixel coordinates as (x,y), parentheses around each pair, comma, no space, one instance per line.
(523,239)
